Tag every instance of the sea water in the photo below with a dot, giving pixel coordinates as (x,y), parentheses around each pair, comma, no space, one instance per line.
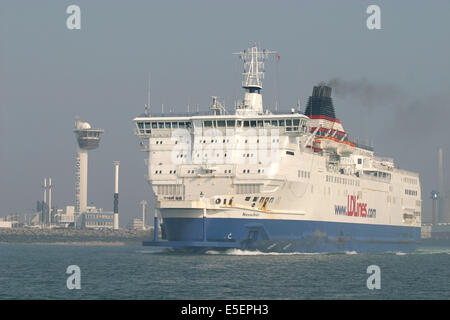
(134,272)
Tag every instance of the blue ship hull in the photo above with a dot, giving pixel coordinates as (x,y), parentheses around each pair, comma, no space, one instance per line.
(285,235)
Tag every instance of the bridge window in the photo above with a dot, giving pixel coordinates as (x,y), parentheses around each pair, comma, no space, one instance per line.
(246,124)
(174,125)
(230,123)
(207,124)
(221,123)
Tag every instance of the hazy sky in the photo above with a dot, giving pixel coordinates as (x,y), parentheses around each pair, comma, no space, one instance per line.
(395,81)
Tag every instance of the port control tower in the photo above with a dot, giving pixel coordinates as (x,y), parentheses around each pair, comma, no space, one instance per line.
(88,139)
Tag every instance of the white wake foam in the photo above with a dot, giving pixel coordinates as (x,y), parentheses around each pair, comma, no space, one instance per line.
(432,250)
(240,252)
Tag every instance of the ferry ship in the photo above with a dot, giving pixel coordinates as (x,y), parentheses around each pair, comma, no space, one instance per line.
(257,179)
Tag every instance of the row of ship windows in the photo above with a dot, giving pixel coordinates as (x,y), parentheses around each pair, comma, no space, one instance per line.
(255,199)
(193,171)
(296,123)
(237,141)
(248,155)
(169,190)
(206,155)
(409,180)
(410,192)
(217,155)
(340,180)
(247,188)
(248,171)
(304,174)
(164,125)
(170,172)
(290,125)
(377,174)
(293,124)
(219,201)
(215,141)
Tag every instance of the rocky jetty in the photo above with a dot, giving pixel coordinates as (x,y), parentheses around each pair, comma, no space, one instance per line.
(74,236)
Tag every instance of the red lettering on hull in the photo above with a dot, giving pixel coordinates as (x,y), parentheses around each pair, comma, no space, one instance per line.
(354,208)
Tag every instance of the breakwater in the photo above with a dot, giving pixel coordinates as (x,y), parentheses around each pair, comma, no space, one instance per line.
(74,236)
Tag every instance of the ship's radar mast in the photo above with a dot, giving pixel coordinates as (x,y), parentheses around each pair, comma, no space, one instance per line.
(252,78)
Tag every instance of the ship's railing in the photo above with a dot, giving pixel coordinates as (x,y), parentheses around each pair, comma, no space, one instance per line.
(176,114)
(206,113)
(284,112)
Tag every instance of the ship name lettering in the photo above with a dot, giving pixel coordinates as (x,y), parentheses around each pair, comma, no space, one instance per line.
(355,209)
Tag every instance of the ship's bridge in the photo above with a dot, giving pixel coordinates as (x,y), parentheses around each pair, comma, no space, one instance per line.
(286,123)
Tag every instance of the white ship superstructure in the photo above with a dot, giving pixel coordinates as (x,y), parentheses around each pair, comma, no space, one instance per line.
(275,182)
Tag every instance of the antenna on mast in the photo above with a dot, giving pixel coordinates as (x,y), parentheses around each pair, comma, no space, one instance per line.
(252,78)
(276,84)
(253,66)
(147,106)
